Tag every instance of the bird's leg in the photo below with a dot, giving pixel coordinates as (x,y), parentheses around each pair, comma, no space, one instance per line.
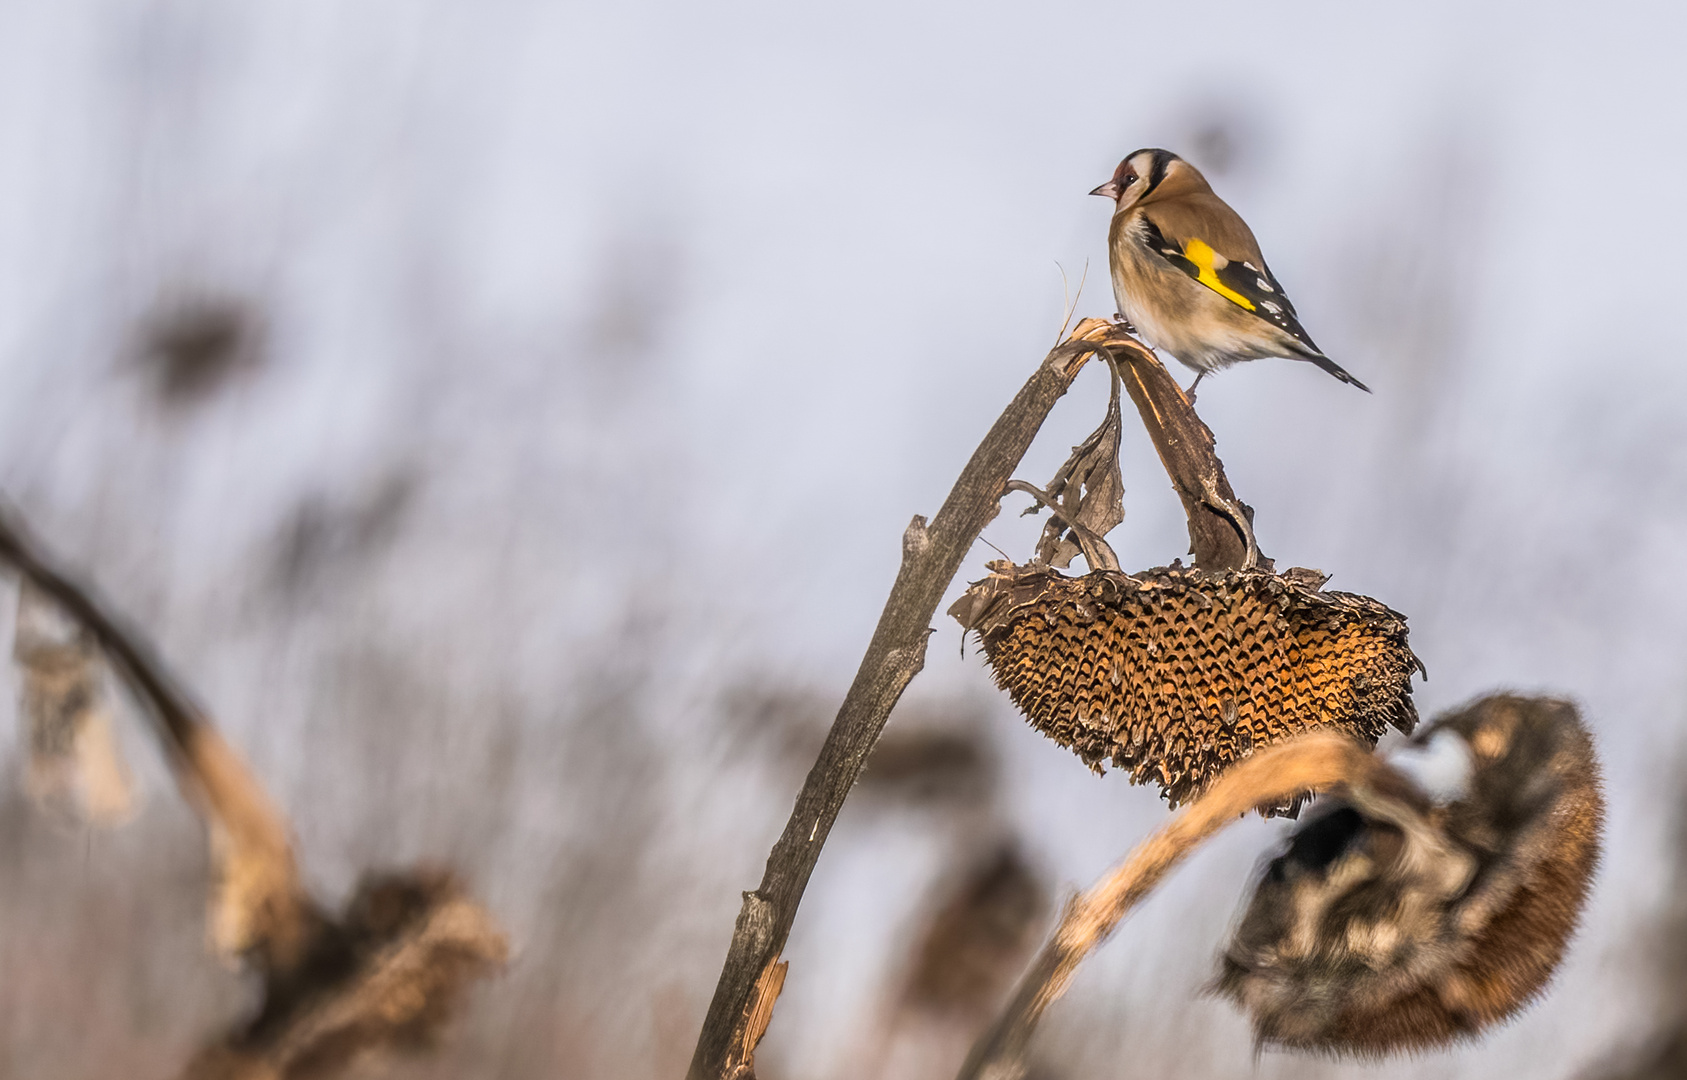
(1232,509)
(1123,323)
(1190,393)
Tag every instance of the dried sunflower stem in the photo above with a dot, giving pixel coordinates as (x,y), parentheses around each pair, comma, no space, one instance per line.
(1316,760)
(931,555)
(262,905)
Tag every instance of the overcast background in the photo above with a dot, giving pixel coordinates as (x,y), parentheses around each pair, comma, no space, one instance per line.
(589,361)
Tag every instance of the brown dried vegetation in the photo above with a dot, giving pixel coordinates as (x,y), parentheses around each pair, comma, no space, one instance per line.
(977,940)
(388,974)
(1396,922)
(1174,674)
(197,344)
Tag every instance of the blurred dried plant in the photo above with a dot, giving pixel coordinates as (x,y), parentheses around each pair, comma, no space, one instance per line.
(1312,761)
(196,344)
(932,764)
(326,534)
(75,766)
(1431,899)
(389,973)
(1664,1057)
(984,918)
(1661,1054)
(977,938)
(386,973)
(1431,896)
(938,757)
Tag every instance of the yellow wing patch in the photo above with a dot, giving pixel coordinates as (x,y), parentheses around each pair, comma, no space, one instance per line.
(1201,254)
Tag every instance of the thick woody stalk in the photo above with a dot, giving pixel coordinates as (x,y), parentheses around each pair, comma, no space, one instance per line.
(931,555)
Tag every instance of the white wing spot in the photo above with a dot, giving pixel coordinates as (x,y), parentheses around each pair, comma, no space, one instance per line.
(1264,284)
(1252,269)
(1269,306)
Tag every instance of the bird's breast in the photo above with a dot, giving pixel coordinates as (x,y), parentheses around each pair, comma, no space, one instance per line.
(1176,313)
(1155,296)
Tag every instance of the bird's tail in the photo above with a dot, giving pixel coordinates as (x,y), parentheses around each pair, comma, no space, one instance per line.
(1336,369)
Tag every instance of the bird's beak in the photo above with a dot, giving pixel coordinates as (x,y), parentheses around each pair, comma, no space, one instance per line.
(1109,189)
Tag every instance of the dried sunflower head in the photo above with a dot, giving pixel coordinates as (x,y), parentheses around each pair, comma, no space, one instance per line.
(1434,902)
(1173,674)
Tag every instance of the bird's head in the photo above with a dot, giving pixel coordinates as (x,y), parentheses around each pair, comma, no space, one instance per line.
(1150,172)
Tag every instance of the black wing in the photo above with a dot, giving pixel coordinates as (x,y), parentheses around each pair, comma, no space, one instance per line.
(1249,287)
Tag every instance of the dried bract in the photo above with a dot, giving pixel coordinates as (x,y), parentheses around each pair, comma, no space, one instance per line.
(1433,901)
(1174,674)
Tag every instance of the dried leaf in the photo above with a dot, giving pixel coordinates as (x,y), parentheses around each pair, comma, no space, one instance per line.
(1089,489)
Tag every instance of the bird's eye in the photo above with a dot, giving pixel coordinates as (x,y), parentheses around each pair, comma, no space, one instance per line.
(1128,181)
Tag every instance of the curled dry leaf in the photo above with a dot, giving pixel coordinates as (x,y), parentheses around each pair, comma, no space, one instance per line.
(1174,674)
(1433,899)
(75,767)
(1087,495)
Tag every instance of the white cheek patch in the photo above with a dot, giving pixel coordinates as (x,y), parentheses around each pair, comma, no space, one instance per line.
(1440,769)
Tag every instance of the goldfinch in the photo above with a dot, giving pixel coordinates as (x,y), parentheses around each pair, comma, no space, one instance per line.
(1188,274)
